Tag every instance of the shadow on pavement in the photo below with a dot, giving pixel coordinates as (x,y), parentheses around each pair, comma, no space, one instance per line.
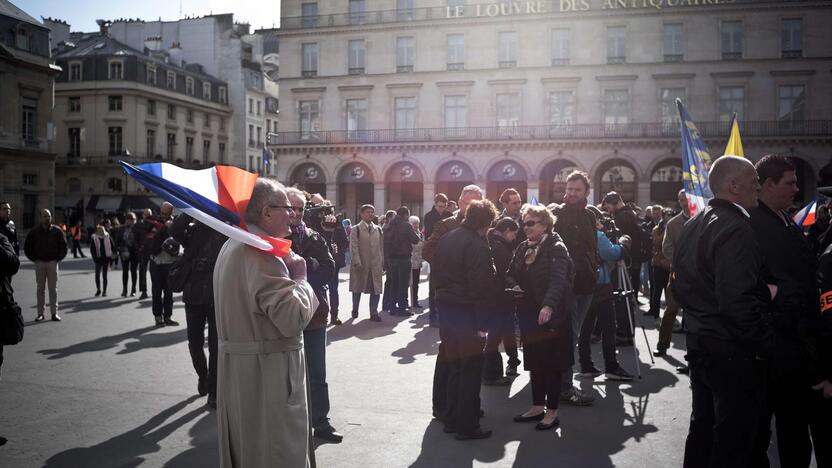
(363,328)
(204,451)
(425,341)
(127,450)
(111,341)
(588,436)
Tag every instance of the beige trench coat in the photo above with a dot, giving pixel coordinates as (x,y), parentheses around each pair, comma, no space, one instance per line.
(261,381)
(367,264)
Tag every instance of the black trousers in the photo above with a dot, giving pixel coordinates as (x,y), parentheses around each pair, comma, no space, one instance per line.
(129,269)
(440,372)
(356,301)
(803,418)
(464,356)
(604,312)
(660,278)
(432,315)
(501,332)
(197,315)
(333,295)
(162,295)
(143,264)
(728,397)
(414,286)
(76,249)
(101,267)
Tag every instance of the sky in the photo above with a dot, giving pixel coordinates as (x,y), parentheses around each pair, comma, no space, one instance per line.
(81,14)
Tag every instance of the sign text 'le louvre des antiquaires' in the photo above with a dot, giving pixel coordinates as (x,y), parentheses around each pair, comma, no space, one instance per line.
(543,6)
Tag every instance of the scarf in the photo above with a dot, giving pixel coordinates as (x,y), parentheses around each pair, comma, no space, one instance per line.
(581,205)
(105,239)
(531,251)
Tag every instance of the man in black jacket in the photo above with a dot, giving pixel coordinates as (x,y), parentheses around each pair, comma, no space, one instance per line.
(791,265)
(576,226)
(143,236)
(9,264)
(202,246)
(163,253)
(465,292)
(7,227)
(398,247)
(128,251)
(320,267)
(46,246)
(720,283)
(437,213)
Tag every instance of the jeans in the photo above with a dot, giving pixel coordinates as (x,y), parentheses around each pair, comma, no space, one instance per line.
(578,309)
(101,267)
(47,272)
(728,394)
(197,315)
(660,279)
(333,295)
(399,278)
(129,265)
(143,264)
(159,277)
(604,312)
(314,347)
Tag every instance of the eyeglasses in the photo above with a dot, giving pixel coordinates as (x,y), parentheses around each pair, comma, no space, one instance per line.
(530,223)
(284,207)
(297,209)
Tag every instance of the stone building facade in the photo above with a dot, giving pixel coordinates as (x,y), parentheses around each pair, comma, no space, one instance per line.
(386,103)
(112,103)
(27,158)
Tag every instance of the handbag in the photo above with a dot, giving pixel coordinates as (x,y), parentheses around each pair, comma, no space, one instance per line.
(178,274)
(11,324)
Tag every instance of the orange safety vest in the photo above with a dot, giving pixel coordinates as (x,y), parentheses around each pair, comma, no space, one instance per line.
(76,233)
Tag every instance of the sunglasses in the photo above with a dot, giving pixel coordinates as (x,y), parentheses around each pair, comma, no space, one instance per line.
(530,223)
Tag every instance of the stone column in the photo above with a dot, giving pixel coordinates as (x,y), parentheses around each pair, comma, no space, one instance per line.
(428,191)
(379,198)
(643,192)
(332,192)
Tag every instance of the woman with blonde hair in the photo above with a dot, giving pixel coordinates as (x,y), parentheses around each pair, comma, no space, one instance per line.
(541,275)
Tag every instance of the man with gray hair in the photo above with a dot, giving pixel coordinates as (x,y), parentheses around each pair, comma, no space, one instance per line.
(46,246)
(263,303)
(718,267)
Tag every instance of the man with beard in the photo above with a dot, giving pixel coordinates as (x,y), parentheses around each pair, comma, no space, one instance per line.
(512,202)
(575,224)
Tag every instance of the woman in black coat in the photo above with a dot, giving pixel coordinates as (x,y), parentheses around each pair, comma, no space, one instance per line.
(543,271)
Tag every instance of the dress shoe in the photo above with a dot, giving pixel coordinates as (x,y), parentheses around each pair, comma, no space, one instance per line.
(202,387)
(330,435)
(56,318)
(501,382)
(660,352)
(375,317)
(336,322)
(545,427)
(478,434)
(160,322)
(143,296)
(522,419)
(170,322)
(104,293)
(97,293)
(133,292)
(683,370)
(39,318)
(123,293)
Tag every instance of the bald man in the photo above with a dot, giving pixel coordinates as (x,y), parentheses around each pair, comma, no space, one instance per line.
(718,267)
(46,246)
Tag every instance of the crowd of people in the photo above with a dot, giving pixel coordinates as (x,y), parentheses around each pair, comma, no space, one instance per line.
(547,280)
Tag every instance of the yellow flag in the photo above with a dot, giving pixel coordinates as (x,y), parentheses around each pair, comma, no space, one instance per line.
(734,147)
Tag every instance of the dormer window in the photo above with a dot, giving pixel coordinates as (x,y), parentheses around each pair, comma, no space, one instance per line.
(116,68)
(223,95)
(171,80)
(151,74)
(206,91)
(75,71)
(22,38)
(189,86)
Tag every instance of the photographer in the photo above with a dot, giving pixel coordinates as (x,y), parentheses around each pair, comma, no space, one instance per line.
(320,267)
(202,247)
(612,247)
(321,218)
(163,252)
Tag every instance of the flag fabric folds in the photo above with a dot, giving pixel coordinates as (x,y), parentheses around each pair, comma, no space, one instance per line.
(696,162)
(734,146)
(533,201)
(217,197)
(806,216)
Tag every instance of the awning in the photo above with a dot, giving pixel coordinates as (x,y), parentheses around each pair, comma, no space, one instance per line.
(104,203)
(67,201)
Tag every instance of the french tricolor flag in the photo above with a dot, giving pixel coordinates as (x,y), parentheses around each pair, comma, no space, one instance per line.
(806,216)
(217,197)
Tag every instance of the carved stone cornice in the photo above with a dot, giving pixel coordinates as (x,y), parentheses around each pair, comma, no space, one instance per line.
(311,89)
(365,87)
(792,72)
(508,81)
(403,85)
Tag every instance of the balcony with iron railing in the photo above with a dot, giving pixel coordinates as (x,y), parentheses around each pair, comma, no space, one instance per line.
(16,141)
(656,130)
(106,159)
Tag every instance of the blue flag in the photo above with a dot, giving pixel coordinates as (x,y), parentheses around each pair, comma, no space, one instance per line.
(533,201)
(696,162)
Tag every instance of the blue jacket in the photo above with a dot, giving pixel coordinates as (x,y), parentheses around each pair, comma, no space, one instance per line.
(609,253)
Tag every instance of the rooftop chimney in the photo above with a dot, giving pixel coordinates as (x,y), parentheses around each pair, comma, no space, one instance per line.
(104,26)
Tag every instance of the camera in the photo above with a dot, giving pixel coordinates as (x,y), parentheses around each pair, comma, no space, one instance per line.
(610,229)
(316,214)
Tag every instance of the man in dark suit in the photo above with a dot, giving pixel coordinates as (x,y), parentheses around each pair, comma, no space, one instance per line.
(439,212)
(720,283)
(795,367)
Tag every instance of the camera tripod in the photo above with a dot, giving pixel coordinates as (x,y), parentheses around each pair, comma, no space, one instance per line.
(625,290)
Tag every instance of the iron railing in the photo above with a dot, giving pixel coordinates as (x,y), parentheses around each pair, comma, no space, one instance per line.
(104,159)
(748,129)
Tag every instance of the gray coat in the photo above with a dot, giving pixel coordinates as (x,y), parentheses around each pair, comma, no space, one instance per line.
(367,266)
(261,383)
